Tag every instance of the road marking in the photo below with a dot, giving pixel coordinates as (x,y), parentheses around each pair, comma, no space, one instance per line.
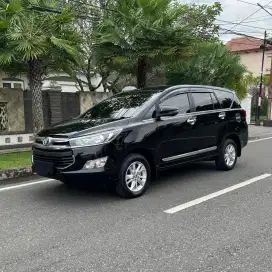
(258,140)
(216,194)
(24,185)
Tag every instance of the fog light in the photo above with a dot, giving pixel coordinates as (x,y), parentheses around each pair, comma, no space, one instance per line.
(94,164)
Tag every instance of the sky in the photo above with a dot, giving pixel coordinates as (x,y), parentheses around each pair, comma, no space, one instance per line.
(234,11)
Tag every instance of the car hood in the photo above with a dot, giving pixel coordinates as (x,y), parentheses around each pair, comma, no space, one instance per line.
(78,126)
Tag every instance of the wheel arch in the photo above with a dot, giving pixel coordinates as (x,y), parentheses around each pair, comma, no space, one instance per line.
(237,140)
(149,156)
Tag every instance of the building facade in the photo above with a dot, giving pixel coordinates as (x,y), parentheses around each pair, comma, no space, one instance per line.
(60,80)
(250,52)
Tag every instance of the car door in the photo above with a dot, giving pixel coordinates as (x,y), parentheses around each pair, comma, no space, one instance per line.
(206,125)
(177,137)
(223,103)
(229,118)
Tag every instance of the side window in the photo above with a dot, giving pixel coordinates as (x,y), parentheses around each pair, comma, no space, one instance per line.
(225,98)
(236,103)
(216,104)
(203,101)
(180,101)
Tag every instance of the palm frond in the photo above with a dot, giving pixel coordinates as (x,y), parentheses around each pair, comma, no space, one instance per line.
(6,57)
(64,45)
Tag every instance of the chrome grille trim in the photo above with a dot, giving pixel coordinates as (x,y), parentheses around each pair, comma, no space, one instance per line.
(55,144)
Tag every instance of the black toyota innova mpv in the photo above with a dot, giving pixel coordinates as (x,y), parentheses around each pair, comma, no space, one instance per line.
(131,136)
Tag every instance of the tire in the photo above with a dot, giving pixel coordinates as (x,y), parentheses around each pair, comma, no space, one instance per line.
(227,164)
(127,187)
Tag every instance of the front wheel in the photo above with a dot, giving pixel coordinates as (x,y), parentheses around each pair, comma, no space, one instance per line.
(227,158)
(134,176)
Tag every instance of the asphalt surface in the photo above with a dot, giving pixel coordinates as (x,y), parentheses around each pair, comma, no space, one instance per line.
(49,227)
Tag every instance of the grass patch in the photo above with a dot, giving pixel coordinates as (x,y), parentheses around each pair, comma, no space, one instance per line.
(13,160)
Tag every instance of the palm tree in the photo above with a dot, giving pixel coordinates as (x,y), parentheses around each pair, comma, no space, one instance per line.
(40,37)
(145,32)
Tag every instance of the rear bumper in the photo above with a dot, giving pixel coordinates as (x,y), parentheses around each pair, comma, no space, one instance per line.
(244,138)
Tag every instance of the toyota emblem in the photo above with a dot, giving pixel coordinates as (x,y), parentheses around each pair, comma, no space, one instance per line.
(47,141)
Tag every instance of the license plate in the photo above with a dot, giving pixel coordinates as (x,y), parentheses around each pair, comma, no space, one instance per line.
(45,169)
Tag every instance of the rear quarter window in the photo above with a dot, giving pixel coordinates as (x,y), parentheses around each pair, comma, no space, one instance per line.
(236,103)
(225,98)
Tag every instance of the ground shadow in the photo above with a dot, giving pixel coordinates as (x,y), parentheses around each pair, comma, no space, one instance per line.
(82,191)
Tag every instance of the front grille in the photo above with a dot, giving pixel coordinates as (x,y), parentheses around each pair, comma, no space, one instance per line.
(60,159)
(58,142)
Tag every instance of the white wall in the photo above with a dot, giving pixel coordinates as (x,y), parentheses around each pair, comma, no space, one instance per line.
(253,61)
(67,86)
(16,139)
(246,104)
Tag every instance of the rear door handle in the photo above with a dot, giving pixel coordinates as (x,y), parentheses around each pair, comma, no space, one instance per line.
(222,115)
(192,120)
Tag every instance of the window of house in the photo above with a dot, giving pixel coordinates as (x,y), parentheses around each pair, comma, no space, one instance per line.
(13,83)
(18,86)
(6,85)
(203,101)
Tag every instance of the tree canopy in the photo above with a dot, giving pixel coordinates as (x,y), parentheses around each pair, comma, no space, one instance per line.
(37,41)
(113,40)
(210,64)
(149,33)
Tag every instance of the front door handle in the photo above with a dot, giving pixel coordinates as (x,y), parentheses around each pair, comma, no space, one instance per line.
(222,115)
(191,120)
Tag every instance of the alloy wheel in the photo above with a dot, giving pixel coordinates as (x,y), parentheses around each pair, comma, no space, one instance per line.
(136,176)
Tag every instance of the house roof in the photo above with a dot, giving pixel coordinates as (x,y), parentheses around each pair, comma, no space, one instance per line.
(244,44)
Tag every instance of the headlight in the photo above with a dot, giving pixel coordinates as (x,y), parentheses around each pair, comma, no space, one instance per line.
(95,139)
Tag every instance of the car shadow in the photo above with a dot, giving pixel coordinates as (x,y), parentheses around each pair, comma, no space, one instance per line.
(187,174)
(98,190)
(84,192)
(197,167)
(76,193)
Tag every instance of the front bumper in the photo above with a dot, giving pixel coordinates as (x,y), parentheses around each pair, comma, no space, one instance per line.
(75,171)
(80,175)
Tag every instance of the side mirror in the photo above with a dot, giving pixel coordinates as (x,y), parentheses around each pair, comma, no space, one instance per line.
(167,111)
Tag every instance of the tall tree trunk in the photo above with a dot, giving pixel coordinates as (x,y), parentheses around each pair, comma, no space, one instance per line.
(142,72)
(35,77)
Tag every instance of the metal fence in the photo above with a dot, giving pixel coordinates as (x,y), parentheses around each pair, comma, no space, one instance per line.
(57,107)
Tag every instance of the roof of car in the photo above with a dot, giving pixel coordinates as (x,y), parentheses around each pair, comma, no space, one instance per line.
(165,89)
(174,87)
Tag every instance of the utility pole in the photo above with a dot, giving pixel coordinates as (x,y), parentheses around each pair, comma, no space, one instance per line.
(259,95)
(269,115)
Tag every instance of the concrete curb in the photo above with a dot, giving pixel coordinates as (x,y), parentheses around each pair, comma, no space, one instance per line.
(260,137)
(14,173)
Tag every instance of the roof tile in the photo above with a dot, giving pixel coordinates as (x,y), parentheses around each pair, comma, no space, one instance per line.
(244,44)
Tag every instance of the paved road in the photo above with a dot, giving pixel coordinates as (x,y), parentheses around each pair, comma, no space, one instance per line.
(48,227)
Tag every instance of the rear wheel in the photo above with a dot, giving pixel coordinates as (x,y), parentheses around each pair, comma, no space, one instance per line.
(227,158)
(134,176)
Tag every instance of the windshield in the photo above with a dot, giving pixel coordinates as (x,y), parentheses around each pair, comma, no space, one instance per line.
(121,106)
